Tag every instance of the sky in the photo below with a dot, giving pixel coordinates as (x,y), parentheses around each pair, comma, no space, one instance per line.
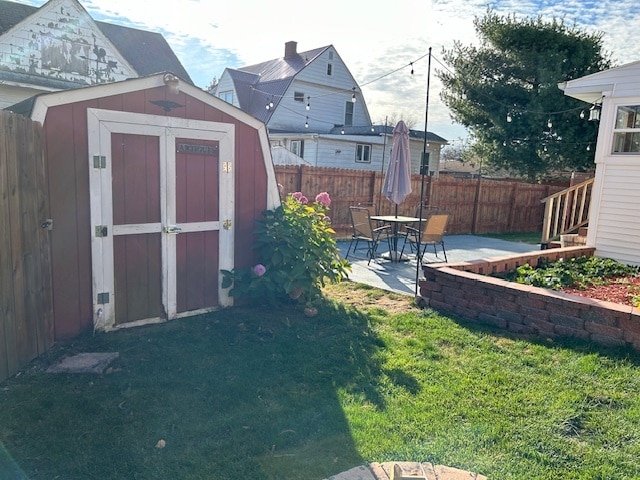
(380,46)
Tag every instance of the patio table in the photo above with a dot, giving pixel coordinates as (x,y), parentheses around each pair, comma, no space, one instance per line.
(395,221)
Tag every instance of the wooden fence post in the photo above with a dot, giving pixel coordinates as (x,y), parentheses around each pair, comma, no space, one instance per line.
(476,201)
(512,205)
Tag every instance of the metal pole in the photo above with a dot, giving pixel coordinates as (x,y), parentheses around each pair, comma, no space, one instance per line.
(384,148)
(423,168)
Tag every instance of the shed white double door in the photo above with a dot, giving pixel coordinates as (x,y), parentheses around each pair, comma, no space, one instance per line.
(162,193)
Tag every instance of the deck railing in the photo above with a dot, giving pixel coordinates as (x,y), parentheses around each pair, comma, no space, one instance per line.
(566,211)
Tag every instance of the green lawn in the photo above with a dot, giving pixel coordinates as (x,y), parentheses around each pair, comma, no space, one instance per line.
(272,394)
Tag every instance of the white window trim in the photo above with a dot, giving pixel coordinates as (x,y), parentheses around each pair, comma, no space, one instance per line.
(615,130)
(366,146)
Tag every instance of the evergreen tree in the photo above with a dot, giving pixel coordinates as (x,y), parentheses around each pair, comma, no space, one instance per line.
(505,91)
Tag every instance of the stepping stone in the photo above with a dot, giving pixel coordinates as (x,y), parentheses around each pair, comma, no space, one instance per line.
(84,363)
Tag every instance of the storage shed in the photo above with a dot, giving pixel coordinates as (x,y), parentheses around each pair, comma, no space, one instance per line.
(614,218)
(154,186)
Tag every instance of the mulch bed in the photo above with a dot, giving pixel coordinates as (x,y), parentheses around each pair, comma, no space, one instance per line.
(621,290)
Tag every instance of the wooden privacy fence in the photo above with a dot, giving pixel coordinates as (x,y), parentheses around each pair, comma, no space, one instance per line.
(476,206)
(26,314)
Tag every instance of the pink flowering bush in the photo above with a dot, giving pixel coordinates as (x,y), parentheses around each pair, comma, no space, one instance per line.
(296,254)
(323,198)
(259,270)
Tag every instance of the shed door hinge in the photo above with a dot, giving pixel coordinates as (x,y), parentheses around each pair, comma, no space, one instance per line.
(99,161)
(101,231)
(226,167)
(103,298)
(226,224)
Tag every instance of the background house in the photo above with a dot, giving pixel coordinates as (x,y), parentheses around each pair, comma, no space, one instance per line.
(314,108)
(60,47)
(614,218)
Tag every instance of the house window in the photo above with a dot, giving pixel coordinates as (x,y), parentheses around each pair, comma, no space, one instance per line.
(329,69)
(626,133)
(226,96)
(363,153)
(298,96)
(348,113)
(297,147)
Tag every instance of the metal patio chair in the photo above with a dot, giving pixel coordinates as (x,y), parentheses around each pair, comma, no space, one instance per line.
(434,228)
(423,211)
(363,230)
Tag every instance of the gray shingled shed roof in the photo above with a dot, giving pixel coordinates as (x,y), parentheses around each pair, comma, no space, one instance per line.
(147,52)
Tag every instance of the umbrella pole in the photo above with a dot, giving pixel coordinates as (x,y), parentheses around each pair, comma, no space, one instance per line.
(422,172)
(384,148)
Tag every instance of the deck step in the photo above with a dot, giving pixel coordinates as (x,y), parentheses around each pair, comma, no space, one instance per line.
(572,240)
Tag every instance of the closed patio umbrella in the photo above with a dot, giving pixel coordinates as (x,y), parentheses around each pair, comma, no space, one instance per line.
(397,183)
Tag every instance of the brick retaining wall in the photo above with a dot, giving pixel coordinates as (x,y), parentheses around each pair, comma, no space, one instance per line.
(465,290)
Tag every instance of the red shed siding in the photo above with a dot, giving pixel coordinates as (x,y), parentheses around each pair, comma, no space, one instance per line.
(66,146)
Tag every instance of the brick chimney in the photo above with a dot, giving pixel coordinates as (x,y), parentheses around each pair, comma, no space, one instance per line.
(290,49)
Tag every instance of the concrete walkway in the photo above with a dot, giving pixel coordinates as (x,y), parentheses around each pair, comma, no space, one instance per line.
(401,277)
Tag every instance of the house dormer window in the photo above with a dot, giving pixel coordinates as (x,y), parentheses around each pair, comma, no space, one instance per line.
(227,96)
(348,113)
(626,133)
(330,64)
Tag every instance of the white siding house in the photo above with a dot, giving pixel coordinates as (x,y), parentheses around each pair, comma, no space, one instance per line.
(314,108)
(58,46)
(614,219)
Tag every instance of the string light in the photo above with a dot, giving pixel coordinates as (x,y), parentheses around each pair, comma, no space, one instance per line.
(269,105)
(589,148)
(306,123)
(594,111)
(464,97)
(509,116)
(353,95)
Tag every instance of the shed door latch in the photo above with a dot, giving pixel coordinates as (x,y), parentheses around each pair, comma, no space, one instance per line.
(101,231)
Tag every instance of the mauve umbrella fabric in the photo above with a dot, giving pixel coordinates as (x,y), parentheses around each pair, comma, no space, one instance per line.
(397,183)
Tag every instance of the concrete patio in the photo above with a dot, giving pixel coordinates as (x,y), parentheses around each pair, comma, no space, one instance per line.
(401,276)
